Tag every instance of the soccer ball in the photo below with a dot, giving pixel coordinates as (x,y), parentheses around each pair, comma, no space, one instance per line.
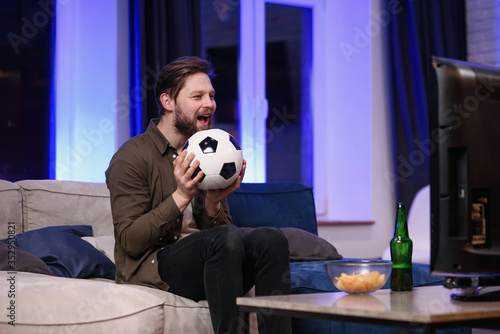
(220,158)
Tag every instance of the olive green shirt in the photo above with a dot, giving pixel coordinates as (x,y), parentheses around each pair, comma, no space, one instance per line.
(141,180)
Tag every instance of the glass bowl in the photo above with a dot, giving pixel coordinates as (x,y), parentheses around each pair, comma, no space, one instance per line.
(358,276)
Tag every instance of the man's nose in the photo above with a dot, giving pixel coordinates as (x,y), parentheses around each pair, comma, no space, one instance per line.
(207,101)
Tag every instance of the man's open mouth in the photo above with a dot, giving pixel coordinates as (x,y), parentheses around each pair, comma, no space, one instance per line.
(203,118)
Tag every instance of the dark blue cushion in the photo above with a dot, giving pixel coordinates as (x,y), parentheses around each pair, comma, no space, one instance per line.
(65,253)
(310,277)
(280,204)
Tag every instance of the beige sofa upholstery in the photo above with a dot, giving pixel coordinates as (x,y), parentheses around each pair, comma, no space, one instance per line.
(52,304)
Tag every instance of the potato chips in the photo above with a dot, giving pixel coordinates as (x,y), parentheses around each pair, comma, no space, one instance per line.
(360,283)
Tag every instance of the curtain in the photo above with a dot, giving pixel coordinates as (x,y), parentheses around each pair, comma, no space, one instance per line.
(417,30)
(160,32)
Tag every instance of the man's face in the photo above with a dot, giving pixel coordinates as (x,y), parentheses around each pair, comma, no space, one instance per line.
(195,105)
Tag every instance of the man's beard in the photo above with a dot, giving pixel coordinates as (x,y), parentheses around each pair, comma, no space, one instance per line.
(185,125)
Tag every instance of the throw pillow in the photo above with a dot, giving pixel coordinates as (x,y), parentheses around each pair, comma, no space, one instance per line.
(285,204)
(104,244)
(65,253)
(13,258)
(305,246)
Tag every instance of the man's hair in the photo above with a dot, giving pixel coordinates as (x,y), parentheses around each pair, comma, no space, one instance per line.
(172,77)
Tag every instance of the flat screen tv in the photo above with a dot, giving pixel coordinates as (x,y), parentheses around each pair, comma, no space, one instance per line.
(464,148)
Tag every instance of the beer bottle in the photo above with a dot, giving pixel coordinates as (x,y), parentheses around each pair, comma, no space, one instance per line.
(401,251)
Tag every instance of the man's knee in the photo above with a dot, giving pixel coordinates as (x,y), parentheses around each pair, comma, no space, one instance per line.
(229,237)
(269,237)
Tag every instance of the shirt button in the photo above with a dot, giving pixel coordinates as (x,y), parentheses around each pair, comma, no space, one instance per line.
(176,237)
(152,261)
(174,156)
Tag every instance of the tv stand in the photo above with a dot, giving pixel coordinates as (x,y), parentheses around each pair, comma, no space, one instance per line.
(474,288)
(490,293)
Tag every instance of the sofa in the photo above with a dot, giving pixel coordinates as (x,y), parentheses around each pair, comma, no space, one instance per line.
(57,264)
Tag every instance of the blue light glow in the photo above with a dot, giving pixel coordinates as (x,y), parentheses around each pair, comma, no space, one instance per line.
(85,88)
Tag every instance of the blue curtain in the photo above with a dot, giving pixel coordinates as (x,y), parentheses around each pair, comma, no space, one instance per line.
(160,32)
(52,107)
(417,30)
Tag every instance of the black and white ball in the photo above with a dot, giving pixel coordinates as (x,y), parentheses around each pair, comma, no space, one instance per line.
(220,158)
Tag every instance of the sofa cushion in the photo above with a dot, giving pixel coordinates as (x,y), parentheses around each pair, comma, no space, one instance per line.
(65,253)
(280,204)
(11,218)
(305,246)
(56,202)
(183,315)
(311,277)
(51,304)
(13,258)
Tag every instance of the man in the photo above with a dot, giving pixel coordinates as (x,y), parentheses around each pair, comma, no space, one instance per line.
(174,237)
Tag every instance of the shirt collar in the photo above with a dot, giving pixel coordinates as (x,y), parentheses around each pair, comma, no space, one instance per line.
(158,138)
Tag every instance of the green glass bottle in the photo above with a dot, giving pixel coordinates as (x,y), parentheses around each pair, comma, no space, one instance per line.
(401,251)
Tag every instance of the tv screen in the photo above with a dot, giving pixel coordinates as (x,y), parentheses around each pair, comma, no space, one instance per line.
(464,146)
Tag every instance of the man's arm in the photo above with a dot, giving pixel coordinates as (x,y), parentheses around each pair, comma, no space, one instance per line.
(140,220)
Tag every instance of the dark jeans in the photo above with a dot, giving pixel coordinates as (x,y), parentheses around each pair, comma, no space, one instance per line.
(221,263)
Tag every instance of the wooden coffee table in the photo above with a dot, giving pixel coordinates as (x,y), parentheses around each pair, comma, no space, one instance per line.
(424,308)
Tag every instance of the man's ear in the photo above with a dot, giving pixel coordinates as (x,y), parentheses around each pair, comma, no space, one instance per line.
(166,102)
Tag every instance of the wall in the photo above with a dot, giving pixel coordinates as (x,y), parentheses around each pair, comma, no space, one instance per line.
(368,241)
(483,34)
(91,80)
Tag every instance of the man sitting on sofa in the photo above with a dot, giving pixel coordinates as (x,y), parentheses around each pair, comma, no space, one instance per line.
(174,237)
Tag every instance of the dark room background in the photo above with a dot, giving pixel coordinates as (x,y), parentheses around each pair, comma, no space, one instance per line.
(25,71)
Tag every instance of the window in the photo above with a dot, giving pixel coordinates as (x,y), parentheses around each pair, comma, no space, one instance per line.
(263,62)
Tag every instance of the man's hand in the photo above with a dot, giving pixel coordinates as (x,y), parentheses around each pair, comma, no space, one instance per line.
(214,197)
(186,186)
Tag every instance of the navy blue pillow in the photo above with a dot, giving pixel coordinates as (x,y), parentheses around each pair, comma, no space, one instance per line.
(65,253)
(279,204)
